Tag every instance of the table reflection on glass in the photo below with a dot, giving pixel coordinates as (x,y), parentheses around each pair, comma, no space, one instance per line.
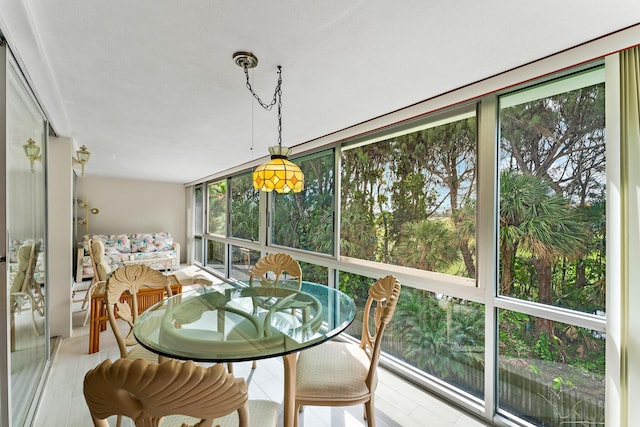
(233,322)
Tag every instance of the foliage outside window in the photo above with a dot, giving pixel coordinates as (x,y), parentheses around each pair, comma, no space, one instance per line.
(198,211)
(314,273)
(542,379)
(410,200)
(552,198)
(242,259)
(215,256)
(440,335)
(245,201)
(305,220)
(217,194)
(552,246)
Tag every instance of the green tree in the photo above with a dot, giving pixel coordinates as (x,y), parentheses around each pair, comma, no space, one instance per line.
(217,193)
(244,220)
(305,220)
(426,244)
(438,332)
(561,138)
(435,176)
(363,198)
(535,220)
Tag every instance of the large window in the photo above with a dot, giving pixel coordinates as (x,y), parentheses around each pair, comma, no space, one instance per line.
(552,249)
(550,380)
(198,224)
(245,200)
(217,195)
(242,259)
(409,199)
(305,220)
(552,193)
(198,211)
(435,333)
(528,340)
(216,256)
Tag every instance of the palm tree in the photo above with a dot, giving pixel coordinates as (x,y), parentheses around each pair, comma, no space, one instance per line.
(533,219)
(426,244)
(464,222)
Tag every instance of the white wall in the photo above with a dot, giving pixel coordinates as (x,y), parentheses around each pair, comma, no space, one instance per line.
(133,206)
(59,232)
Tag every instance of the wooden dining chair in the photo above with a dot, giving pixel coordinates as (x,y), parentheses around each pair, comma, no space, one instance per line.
(123,286)
(101,271)
(173,394)
(274,270)
(344,374)
(24,289)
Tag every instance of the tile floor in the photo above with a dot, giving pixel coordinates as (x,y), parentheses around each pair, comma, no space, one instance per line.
(398,403)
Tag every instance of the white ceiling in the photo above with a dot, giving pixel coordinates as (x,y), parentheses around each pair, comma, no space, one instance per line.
(150,87)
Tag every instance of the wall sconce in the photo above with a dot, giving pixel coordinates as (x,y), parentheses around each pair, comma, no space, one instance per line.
(82,158)
(32,151)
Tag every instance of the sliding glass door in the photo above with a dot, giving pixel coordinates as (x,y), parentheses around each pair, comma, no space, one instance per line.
(26,353)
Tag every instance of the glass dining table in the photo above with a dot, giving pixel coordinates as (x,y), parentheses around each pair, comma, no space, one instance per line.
(234,322)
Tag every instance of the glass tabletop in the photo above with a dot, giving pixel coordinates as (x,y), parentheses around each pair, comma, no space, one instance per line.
(234,322)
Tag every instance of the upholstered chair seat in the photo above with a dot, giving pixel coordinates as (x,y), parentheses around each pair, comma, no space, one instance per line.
(323,364)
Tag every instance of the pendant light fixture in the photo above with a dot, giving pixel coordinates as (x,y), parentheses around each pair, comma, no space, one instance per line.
(279,173)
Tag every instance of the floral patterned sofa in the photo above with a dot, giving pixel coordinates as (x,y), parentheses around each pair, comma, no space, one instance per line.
(128,247)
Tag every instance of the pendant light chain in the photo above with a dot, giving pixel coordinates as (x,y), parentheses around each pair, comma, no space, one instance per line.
(277,98)
(279,93)
(278,90)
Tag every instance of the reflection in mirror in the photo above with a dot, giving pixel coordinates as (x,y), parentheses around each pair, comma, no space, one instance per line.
(26,153)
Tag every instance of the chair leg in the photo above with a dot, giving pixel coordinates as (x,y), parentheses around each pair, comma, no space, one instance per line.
(296,415)
(33,315)
(369,413)
(87,299)
(86,316)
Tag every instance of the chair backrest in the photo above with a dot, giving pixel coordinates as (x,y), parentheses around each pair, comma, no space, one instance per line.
(27,256)
(380,306)
(146,392)
(21,278)
(278,265)
(101,268)
(127,281)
